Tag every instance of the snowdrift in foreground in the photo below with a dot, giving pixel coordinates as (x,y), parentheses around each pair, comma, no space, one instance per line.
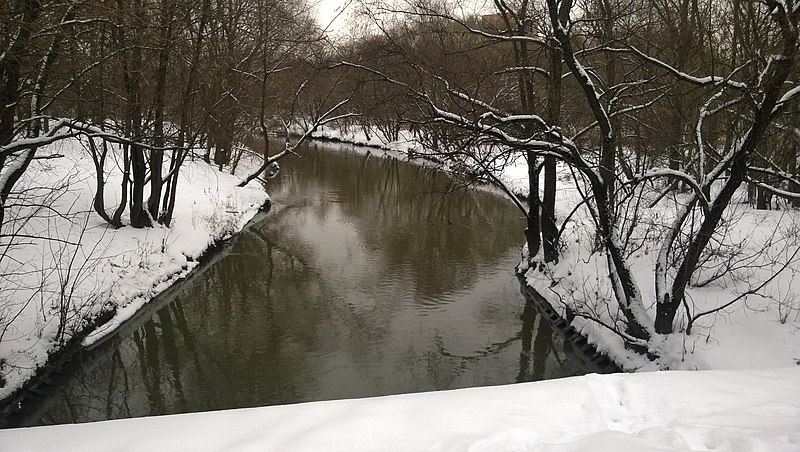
(720,410)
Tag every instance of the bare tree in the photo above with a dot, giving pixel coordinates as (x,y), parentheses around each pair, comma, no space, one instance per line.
(634,82)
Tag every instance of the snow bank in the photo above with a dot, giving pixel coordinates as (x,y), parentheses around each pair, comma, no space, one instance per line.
(408,148)
(660,411)
(50,282)
(757,331)
(355,135)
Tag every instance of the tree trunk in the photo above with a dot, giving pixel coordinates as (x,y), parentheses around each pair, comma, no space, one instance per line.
(138,214)
(99,159)
(532,232)
(608,167)
(667,309)
(126,175)
(157,155)
(549,226)
(9,95)
(762,199)
(179,154)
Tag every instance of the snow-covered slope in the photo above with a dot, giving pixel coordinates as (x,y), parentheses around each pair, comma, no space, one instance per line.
(66,265)
(706,410)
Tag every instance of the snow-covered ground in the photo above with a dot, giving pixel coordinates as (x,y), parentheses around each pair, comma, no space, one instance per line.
(757,330)
(117,270)
(742,411)
(356,135)
(514,176)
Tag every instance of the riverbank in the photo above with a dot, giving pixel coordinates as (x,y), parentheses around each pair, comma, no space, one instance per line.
(748,284)
(758,331)
(407,148)
(70,280)
(655,411)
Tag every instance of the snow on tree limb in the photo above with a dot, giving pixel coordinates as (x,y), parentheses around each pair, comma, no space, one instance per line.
(680,175)
(787,97)
(775,190)
(701,81)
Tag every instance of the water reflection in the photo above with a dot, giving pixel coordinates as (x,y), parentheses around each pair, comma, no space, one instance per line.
(369,277)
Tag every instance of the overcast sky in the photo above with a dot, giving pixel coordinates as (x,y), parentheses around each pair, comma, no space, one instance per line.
(327,11)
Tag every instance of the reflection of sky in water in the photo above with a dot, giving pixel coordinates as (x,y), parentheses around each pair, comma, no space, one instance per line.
(364,280)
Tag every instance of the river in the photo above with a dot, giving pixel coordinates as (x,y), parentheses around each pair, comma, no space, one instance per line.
(368,277)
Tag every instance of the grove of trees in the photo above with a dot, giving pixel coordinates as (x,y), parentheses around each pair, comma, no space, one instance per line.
(149,83)
(143,86)
(695,99)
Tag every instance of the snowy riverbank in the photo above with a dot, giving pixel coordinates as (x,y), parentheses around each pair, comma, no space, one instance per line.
(757,331)
(742,411)
(68,266)
(739,410)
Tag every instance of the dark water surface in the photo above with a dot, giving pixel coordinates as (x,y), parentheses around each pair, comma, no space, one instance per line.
(368,277)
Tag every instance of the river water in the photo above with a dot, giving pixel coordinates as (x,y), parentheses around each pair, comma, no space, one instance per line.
(368,277)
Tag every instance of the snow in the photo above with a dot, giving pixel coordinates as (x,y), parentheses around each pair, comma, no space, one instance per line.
(113,270)
(727,410)
(356,136)
(706,80)
(756,331)
(514,176)
(789,95)
(754,410)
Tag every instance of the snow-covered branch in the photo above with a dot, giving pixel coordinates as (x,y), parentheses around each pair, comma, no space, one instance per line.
(680,175)
(787,97)
(620,112)
(701,81)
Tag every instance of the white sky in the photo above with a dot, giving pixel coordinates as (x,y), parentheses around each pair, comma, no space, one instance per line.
(327,11)
(337,12)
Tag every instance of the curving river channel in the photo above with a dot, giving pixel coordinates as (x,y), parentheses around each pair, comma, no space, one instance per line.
(368,277)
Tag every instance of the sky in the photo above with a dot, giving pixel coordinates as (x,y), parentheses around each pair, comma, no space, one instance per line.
(335,13)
